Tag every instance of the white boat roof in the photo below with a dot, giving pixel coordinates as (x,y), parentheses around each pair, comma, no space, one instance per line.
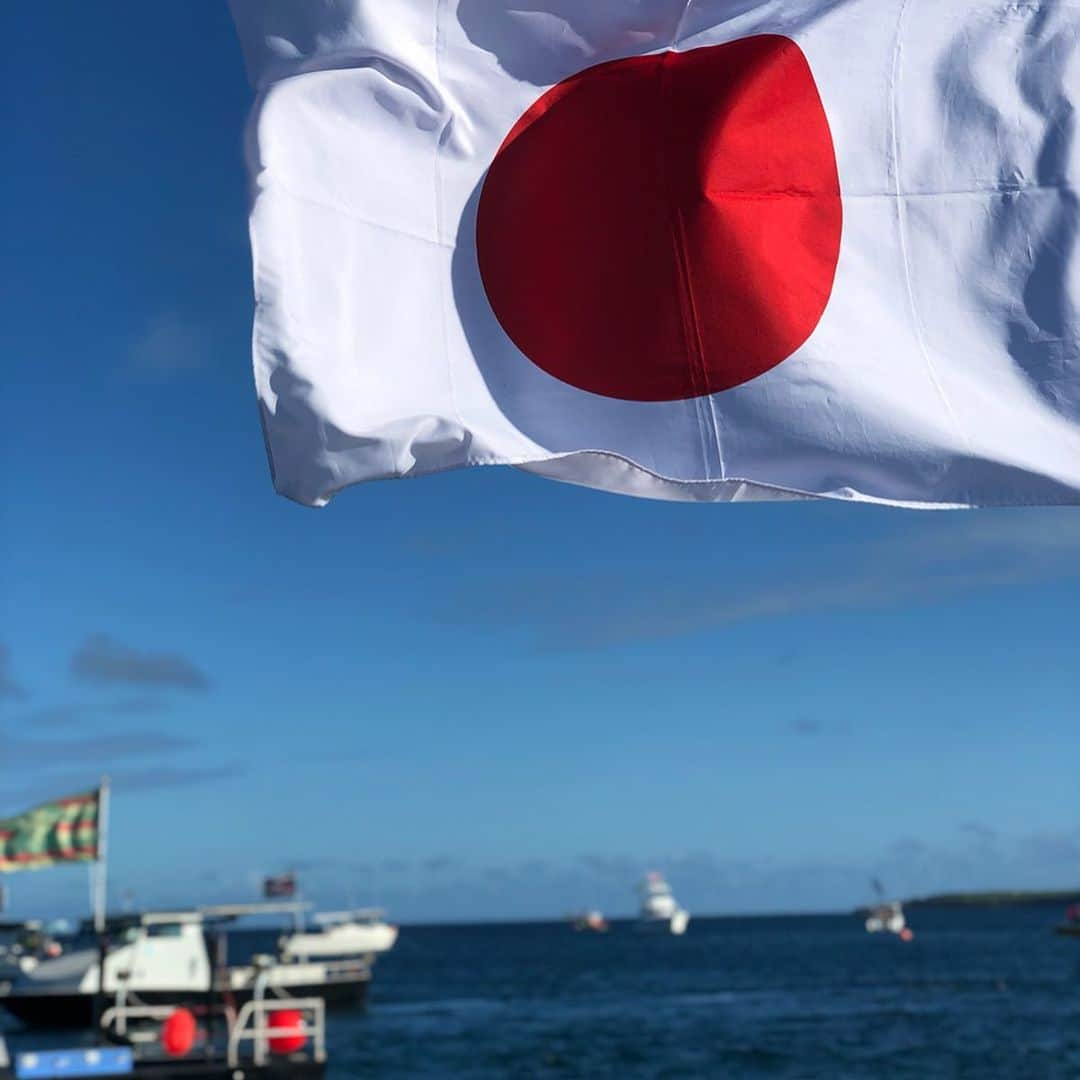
(209,913)
(336,918)
(236,911)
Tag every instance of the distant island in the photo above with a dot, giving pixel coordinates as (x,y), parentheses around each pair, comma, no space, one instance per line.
(1050,898)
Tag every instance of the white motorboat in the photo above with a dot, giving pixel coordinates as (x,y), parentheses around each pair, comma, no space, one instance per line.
(363,932)
(659,909)
(159,958)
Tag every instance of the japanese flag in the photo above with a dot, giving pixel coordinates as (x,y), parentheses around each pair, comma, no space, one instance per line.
(688,249)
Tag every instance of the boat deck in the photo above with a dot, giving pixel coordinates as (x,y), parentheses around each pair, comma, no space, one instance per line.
(251,1043)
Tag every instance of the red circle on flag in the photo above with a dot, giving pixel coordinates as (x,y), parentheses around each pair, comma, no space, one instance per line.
(667,226)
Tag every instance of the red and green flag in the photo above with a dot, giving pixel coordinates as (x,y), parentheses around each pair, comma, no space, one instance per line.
(63,830)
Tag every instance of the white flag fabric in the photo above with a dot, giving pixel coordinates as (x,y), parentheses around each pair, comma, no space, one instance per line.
(687,249)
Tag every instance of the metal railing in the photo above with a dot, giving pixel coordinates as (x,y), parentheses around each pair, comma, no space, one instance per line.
(253,1024)
(358,915)
(116,1018)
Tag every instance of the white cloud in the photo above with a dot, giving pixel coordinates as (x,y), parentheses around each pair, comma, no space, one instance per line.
(170,345)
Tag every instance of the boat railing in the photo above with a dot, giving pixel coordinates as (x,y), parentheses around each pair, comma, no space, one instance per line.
(348,968)
(117,1017)
(295,908)
(328,919)
(255,1024)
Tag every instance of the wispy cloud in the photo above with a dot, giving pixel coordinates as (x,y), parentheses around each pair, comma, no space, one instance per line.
(980,858)
(984,834)
(813,727)
(618,867)
(67,715)
(706,881)
(922,565)
(91,749)
(162,777)
(1058,848)
(101,659)
(137,706)
(140,779)
(1012,538)
(440,864)
(986,858)
(10,690)
(170,344)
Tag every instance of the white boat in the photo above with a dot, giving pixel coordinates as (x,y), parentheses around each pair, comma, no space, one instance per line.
(659,909)
(162,957)
(363,932)
(886,918)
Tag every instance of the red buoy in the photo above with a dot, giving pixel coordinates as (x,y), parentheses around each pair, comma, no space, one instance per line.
(291,1023)
(178,1033)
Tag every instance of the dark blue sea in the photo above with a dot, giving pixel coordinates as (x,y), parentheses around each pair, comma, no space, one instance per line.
(978,994)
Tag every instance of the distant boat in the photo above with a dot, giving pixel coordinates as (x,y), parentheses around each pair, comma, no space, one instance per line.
(659,909)
(592,921)
(1071,926)
(887,916)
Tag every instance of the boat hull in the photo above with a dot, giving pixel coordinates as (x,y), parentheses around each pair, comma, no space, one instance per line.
(65,1012)
(675,924)
(342,941)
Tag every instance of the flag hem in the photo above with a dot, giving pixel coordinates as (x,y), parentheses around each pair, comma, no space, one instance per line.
(608,471)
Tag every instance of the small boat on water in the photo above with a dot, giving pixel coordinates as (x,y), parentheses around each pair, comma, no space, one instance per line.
(590,921)
(160,958)
(1071,926)
(887,916)
(659,909)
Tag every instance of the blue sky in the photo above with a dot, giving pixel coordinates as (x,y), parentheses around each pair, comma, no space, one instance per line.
(480,695)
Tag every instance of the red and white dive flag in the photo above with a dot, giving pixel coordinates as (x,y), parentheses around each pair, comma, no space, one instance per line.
(689,249)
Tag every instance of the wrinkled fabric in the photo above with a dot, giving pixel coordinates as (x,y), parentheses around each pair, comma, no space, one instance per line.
(944,372)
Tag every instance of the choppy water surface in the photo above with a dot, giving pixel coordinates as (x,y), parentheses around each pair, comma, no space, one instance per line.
(978,994)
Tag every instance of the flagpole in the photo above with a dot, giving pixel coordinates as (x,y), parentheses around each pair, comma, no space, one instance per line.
(101,866)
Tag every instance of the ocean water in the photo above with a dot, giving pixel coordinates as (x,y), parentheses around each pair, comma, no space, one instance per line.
(977,994)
